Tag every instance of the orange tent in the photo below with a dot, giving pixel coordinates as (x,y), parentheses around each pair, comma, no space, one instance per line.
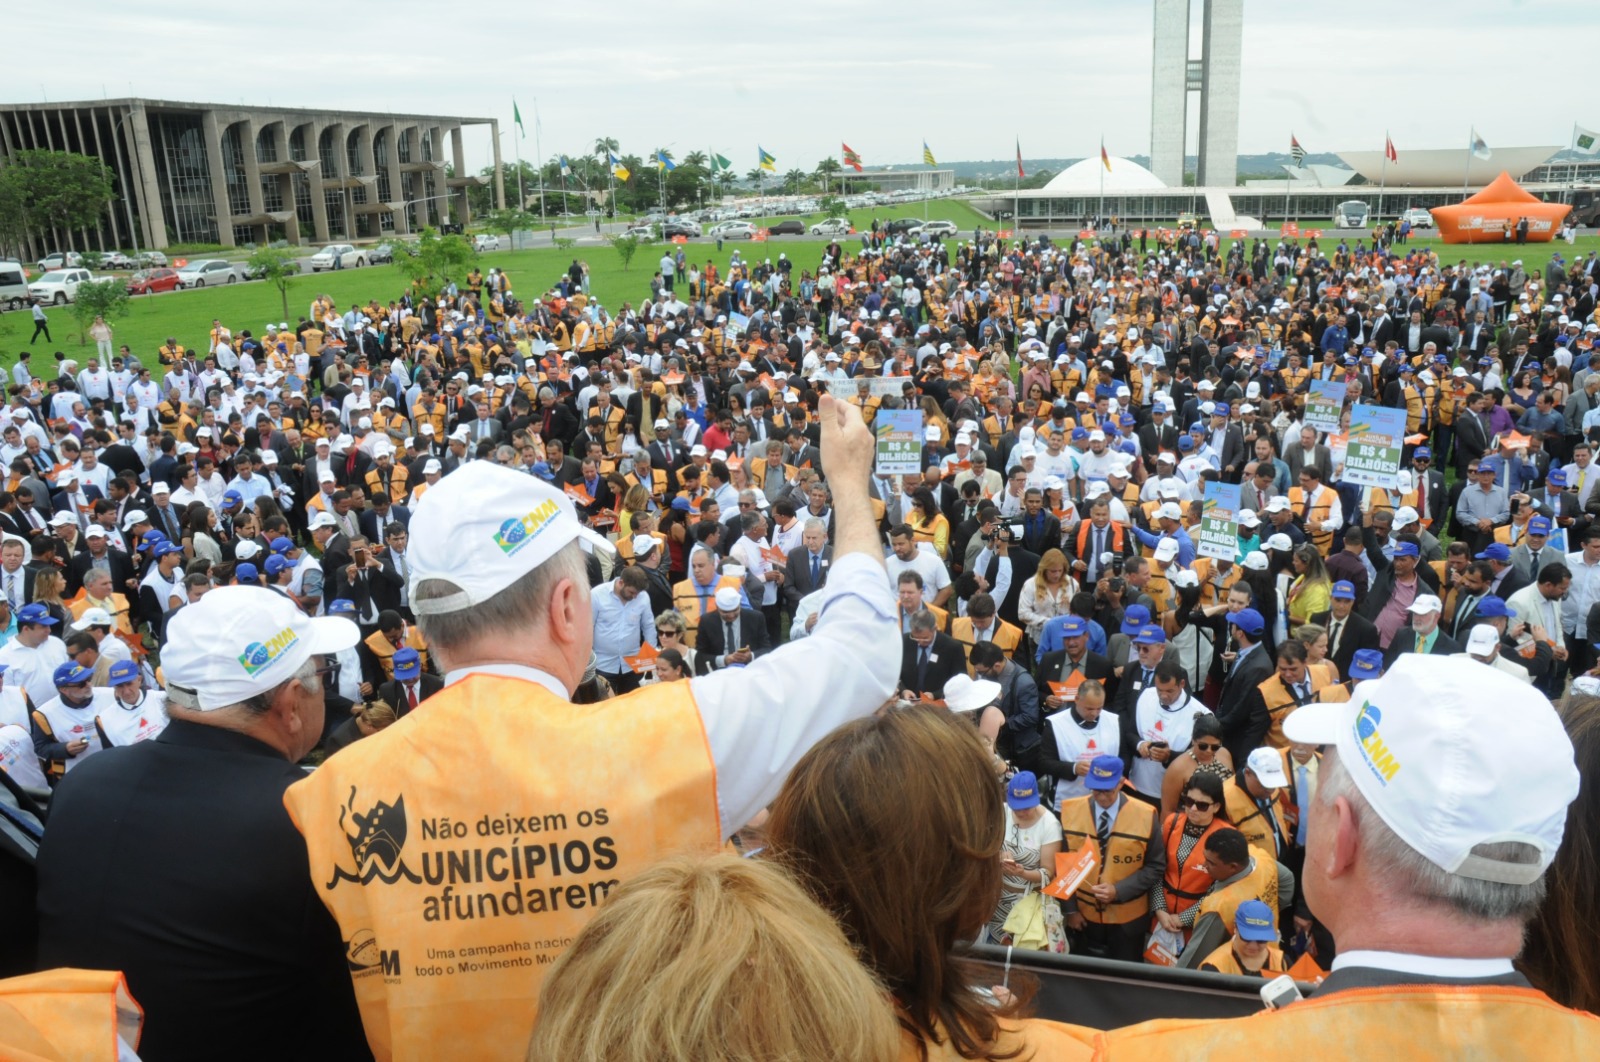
(1492,215)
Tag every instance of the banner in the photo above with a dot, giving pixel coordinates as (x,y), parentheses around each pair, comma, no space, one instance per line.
(885,386)
(738,322)
(1324,404)
(899,442)
(1377,434)
(1219,522)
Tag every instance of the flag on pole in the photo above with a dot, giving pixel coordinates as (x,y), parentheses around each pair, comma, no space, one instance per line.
(927,155)
(1585,142)
(566,167)
(1105,160)
(766,161)
(1020,174)
(618,170)
(851,159)
(1480,150)
(663,162)
(516,115)
(1388,149)
(1297,152)
(720,162)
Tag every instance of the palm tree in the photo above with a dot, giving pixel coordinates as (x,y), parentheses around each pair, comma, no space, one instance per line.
(794,179)
(633,164)
(725,179)
(696,158)
(604,147)
(826,169)
(755,175)
(662,153)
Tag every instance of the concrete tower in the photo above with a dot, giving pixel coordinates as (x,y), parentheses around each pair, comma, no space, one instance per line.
(1214,76)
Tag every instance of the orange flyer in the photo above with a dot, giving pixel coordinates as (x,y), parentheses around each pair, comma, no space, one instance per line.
(1072,870)
(577,491)
(672,379)
(644,660)
(1068,690)
(775,555)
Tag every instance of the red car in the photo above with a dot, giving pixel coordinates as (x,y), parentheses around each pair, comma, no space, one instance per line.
(154,280)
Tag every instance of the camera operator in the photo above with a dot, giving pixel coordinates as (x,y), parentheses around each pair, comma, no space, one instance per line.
(1002,566)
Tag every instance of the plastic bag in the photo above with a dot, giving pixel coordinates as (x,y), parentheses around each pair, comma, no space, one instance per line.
(1055,928)
(1025,923)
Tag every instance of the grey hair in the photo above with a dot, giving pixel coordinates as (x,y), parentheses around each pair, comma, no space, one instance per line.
(513,610)
(1410,873)
(814,524)
(923,620)
(260,704)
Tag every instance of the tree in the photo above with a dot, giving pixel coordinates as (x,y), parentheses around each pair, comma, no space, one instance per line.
(275,265)
(97,298)
(696,158)
(626,247)
(56,189)
(510,221)
(834,207)
(826,169)
(755,175)
(434,256)
(794,180)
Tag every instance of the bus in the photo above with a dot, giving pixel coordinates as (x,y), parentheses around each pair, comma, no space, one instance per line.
(1352,214)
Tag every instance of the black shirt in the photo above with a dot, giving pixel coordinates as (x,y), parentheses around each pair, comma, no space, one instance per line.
(174,861)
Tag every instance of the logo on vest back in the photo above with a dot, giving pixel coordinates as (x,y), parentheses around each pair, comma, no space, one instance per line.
(379,836)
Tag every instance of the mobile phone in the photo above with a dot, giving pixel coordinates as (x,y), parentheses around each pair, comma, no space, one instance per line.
(1280,992)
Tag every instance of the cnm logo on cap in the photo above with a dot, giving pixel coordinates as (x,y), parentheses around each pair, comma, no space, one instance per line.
(1379,759)
(260,655)
(1102,772)
(515,534)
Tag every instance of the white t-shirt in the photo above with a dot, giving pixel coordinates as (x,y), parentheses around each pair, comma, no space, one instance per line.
(34,670)
(935,577)
(17,757)
(1046,829)
(128,724)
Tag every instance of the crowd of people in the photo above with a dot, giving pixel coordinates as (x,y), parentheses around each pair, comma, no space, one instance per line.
(295,621)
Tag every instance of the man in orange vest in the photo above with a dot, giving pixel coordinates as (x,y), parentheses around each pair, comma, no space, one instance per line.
(1430,831)
(467,845)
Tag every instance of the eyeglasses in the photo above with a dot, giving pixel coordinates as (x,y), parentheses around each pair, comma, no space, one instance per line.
(1198,805)
(1208,746)
(329,672)
(662,632)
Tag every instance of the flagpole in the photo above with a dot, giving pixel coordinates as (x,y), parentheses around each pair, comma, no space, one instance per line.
(539,151)
(1466,174)
(522,202)
(1101,211)
(1383,175)
(1016,193)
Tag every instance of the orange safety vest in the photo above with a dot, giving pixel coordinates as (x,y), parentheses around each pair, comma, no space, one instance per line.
(1420,1023)
(453,899)
(1280,702)
(1223,961)
(1186,885)
(1259,884)
(1116,529)
(76,1014)
(1007,636)
(687,601)
(1248,819)
(384,650)
(1124,855)
(1315,517)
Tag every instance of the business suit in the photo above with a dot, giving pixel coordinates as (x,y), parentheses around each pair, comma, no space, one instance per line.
(1054,668)
(1233,453)
(378,587)
(1431,486)
(1040,533)
(710,639)
(1472,439)
(1526,563)
(1240,708)
(121,571)
(1358,633)
(1405,641)
(946,659)
(393,692)
(1319,458)
(797,582)
(368,522)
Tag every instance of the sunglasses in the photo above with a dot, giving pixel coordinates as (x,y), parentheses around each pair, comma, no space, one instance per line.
(662,632)
(1207,746)
(1198,805)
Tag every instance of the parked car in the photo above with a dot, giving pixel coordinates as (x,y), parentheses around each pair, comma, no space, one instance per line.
(13,286)
(382,253)
(831,227)
(60,260)
(115,260)
(149,260)
(59,286)
(249,272)
(734,230)
(150,281)
(938,228)
(1419,218)
(346,256)
(640,232)
(901,225)
(483,242)
(679,227)
(210,272)
(787,227)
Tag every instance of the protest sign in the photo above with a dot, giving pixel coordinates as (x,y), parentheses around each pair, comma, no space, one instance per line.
(1324,403)
(1377,435)
(899,442)
(1219,522)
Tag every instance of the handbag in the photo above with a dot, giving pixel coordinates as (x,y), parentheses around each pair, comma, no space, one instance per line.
(1025,922)
(1055,928)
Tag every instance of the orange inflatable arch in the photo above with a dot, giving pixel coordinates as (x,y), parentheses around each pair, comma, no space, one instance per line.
(1491,216)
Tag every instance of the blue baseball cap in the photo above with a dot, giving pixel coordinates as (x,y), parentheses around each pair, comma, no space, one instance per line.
(1150,635)
(1492,607)
(163,549)
(1422,452)
(1366,664)
(682,505)
(341,606)
(281,544)
(1407,367)
(71,674)
(247,573)
(1557,477)
(1126,420)
(1074,627)
(232,497)
(1197,426)
(150,538)
(1253,921)
(1021,794)
(407,664)
(1530,366)
(36,614)
(274,565)
(1158,407)
(122,671)
(1406,549)
(1185,443)
(1105,772)
(1539,526)
(1221,409)
(1079,434)
(1247,620)
(1345,590)
(1134,617)
(1495,551)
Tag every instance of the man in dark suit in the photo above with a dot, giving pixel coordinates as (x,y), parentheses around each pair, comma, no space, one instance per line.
(1232,452)
(749,635)
(1471,591)
(1249,668)
(99,551)
(1473,431)
(1507,579)
(368,583)
(374,520)
(1074,656)
(806,568)
(1347,630)
(929,658)
(410,685)
(1041,529)
(1423,635)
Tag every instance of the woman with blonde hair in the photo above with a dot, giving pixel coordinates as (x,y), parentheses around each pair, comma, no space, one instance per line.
(1315,636)
(1046,594)
(719,959)
(635,501)
(48,586)
(913,878)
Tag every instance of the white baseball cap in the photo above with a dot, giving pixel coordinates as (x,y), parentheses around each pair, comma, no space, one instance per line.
(1430,748)
(431,465)
(643,544)
(1279,504)
(240,641)
(160,486)
(1424,604)
(246,549)
(1268,768)
(482,528)
(728,598)
(94,531)
(1167,550)
(1405,516)
(1248,518)
(93,617)
(320,520)
(1256,561)
(1482,640)
(135,516)
(1280,542)
(1170,511)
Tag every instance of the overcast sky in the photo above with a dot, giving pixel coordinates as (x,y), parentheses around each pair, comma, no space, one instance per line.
(797,79)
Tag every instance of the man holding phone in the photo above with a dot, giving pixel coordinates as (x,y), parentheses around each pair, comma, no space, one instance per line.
(367,583)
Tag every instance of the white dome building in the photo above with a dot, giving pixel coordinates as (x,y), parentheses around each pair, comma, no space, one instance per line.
(1084,177)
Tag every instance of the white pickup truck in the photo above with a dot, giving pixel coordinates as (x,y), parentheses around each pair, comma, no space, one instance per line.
(59,286)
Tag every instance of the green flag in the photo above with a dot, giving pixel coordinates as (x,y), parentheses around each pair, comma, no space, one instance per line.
(516,114)
(719,162)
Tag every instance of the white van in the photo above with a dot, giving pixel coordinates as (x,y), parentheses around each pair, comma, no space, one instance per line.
(13,286)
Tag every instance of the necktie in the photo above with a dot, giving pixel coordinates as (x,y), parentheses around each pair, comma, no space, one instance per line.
(411,694)
(922,669)
(1146,683)
(11,591)
(1099,551)
(1103,830)
(1301,693)
(730,638)
(816,571)
(1333,636)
